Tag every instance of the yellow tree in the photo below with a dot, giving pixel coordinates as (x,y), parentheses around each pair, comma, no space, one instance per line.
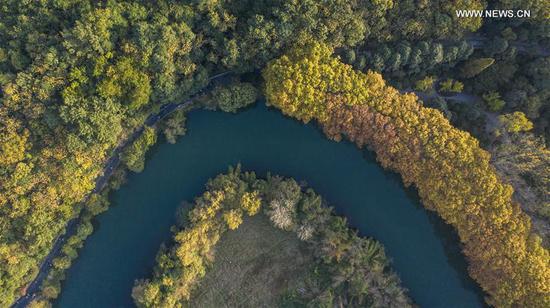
(451,172)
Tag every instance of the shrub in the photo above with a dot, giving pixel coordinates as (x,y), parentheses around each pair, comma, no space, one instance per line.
(493,101)
(233,218)
(234,96)
(450,85)
(134,156)
(515,122)
(425,85)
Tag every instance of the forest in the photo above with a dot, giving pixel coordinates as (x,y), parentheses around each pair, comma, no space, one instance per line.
(344,259)
(447,166)
(79,77)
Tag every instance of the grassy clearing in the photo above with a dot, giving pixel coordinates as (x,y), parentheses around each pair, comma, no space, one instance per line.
(254,266)
(319,262)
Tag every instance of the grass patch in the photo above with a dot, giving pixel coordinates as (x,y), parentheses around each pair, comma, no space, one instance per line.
(250,242)
(254,266)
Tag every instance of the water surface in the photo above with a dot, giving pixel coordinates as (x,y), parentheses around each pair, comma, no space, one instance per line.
(424,250)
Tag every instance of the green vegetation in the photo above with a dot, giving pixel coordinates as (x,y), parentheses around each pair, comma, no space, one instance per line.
(134,156)
(475,66)
(403,58)
(123,82)
(515,122)
(520,71)
(231,98)
(174,126)
(77,77)
(409,19)
(493,101)
(76,80)
(450,85)
(425,84)
(333,264)
(254,265)
(451,172)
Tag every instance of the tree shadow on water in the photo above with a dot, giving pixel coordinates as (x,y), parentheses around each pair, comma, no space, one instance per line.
(448,236)
(452,248)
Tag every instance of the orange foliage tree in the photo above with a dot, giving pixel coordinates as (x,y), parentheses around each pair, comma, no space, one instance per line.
(451,172)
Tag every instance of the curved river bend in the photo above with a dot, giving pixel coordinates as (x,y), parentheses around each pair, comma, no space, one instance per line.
(424,250)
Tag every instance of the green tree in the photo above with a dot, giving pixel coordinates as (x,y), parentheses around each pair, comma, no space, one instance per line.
(174,126)
(474,67)
(235,96)
(425,84)
(134,156)
(125,82)
(493,101)
(451,85)
(515,122)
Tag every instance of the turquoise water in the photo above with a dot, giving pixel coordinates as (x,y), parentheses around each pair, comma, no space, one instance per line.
(424,250)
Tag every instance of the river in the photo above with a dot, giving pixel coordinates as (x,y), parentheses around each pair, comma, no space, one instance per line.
(424,251)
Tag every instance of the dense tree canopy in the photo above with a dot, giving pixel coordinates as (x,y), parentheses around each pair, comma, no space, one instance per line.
(513,66)
(77,77)
(232,97)
(451,172)
(404,58)
(526,162)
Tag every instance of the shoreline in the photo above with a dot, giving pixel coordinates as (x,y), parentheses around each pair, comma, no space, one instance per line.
(112,163)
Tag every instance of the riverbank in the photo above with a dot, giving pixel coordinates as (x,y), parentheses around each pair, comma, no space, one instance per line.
(110,166)
(425,252)
(446,165)
(269,242)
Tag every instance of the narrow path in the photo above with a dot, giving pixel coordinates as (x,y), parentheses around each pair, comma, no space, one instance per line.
(110,166)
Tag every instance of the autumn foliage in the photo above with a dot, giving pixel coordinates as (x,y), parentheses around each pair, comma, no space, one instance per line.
(451,172)
(344,268)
